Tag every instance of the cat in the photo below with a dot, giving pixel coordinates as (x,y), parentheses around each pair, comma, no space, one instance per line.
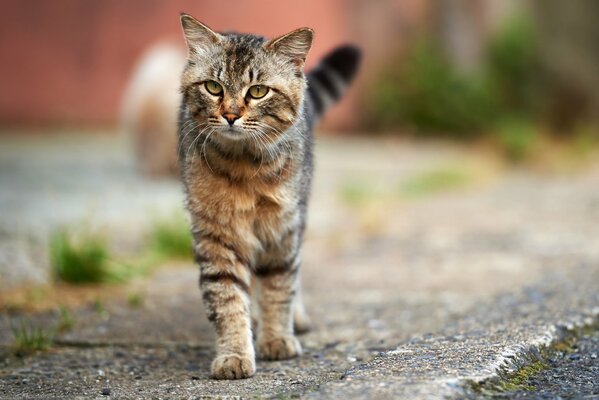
(245,153)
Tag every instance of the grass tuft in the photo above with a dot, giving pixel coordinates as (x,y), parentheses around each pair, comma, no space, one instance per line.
(135,299)
(84,260)
(100,309)
(171,239)
(518,138)
(28,339)
(66,321)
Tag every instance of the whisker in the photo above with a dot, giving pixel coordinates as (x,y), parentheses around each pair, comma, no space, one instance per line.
(203,149)
(193,143)
(190,128)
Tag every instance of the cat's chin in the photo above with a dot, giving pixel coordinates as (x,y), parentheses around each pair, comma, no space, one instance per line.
(232,133)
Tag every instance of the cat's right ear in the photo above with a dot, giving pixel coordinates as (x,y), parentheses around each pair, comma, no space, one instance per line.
(197,35)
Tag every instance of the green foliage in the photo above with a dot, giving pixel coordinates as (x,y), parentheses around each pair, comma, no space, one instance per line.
(513,67)
(84,260)
(426,93)
(171,238)
(28,339)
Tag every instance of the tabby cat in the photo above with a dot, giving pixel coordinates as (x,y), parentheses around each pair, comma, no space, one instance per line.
(245,152)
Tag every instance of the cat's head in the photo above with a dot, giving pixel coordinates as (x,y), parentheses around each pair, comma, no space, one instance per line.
(238,86)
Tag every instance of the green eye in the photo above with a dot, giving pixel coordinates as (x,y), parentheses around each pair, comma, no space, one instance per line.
(214,88)
(258,91)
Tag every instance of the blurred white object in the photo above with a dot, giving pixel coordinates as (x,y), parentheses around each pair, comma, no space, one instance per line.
(150,108)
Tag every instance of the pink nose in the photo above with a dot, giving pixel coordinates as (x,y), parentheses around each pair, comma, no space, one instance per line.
(231,118)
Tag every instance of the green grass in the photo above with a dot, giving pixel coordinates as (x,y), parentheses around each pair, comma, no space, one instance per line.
(171,239)
(85,258)
(518,138)
(66,321)
(435,181)
(81,260)
(28,339)
(357,193)
(100,309)
(135,299)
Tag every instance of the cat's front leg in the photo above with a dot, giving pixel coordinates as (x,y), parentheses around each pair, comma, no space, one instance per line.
(278,286)
(224,281)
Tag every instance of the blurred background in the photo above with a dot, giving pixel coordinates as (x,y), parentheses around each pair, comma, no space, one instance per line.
(465,112)
(472,63)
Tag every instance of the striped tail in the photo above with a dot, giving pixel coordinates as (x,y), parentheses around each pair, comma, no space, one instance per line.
(329,80)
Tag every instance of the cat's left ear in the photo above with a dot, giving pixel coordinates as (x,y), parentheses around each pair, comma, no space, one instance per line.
(294,45)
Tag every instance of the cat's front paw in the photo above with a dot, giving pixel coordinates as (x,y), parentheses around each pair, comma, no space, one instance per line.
(233,366)
(279,348)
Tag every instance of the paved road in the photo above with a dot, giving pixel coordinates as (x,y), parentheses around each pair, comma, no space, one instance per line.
(412,296)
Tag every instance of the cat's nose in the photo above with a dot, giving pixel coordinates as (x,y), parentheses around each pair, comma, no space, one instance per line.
(231,118)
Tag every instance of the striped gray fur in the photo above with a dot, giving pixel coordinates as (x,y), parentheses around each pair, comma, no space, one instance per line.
(246,165)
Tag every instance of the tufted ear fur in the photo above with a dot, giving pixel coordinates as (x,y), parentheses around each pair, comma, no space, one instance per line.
(293,45)
(197,35)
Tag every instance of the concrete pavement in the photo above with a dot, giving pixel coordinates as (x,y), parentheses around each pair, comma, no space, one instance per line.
(442,293)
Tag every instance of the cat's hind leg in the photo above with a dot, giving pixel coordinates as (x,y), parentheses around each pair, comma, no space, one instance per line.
(301,320)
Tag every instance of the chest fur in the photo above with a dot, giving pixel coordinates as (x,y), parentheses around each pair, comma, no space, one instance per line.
(257,207)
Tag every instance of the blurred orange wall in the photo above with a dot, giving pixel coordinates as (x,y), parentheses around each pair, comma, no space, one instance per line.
(68,61)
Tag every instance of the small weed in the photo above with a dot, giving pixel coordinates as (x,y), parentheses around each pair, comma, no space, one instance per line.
(435,181)
(171,239)
(84,260)
(28,339)
(66,320)
(518,139)
(100,309)
(135,299)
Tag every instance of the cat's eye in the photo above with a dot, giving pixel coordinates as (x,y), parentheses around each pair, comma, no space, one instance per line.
(214,88)
(258,91)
